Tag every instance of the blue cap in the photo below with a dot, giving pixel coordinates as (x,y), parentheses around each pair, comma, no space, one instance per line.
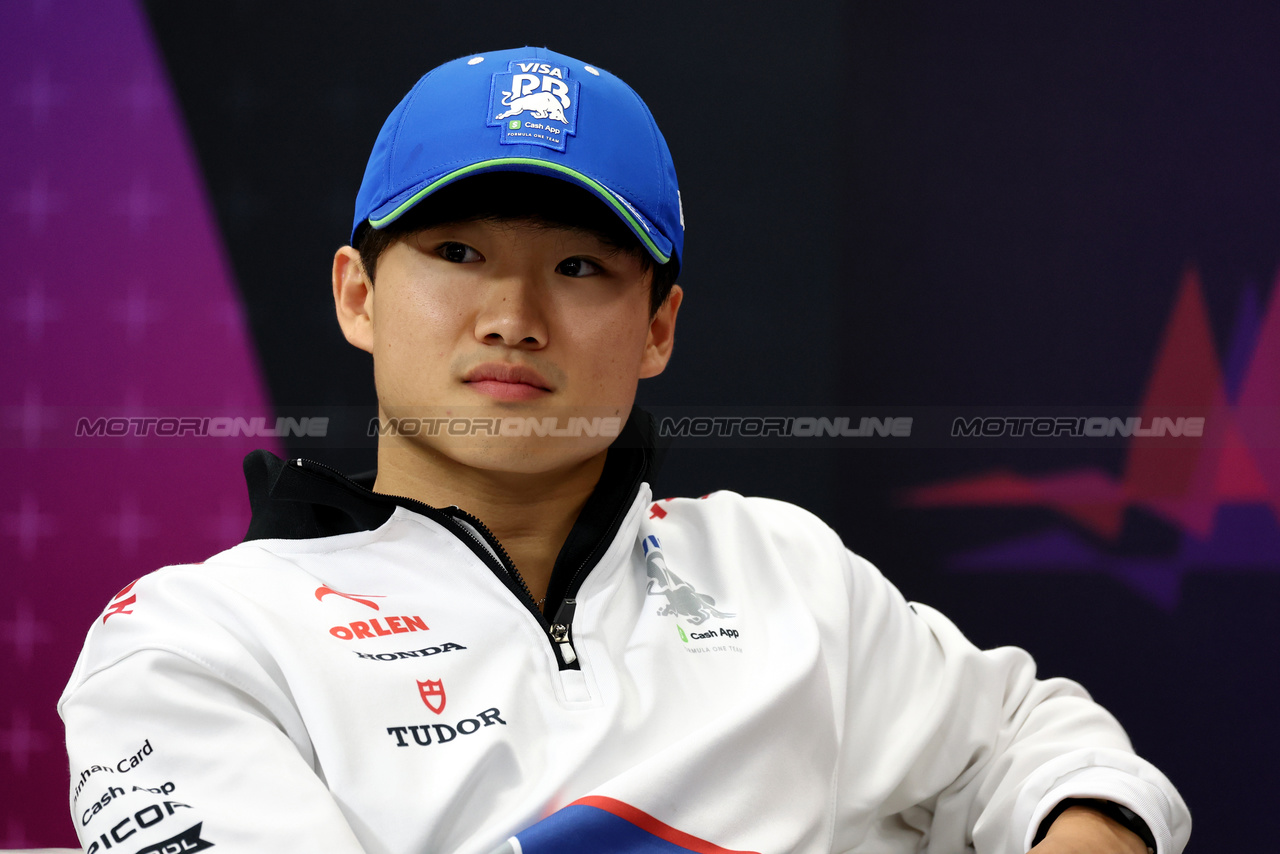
(527,110)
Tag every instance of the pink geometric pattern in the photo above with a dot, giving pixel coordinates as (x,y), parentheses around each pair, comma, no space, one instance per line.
(1206,489)
(122,302)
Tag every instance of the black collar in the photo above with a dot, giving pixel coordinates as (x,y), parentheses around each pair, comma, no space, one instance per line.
(300,500)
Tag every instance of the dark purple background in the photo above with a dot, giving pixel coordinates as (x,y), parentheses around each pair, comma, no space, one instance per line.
(921,205)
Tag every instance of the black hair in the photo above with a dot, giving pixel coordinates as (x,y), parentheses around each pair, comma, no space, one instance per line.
(517,196)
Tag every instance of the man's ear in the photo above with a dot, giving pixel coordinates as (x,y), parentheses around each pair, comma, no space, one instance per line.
(353,298)
(662,335)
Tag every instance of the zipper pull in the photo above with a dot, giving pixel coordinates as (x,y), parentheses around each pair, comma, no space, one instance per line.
(559,630)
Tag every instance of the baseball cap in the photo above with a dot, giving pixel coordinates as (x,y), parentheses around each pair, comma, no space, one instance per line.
(527,110)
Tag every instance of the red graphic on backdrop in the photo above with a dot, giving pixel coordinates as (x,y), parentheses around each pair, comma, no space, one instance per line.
(432,692)
(362,598)
(1204,490)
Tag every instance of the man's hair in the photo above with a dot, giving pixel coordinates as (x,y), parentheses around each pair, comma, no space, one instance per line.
(537,199)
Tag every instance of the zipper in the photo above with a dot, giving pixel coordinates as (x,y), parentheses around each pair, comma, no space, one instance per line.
(479,533)
(571,590)
(558,632)
(482,535)
(560,627)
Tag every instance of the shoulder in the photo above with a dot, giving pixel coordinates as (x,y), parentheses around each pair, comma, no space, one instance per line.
(237,572)
(726,504)
(239,602)
(728,515)
(743,531)
(204,612)
(168,608)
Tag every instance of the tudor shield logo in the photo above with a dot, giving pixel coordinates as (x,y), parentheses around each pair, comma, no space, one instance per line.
(432,692)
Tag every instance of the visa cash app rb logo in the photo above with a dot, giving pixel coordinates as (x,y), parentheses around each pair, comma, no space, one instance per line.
(534,103)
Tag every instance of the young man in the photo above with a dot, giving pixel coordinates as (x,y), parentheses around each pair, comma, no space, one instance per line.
(502,643)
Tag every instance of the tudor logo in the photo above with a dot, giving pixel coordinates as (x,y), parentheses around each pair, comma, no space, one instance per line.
(362,598)
(432,692)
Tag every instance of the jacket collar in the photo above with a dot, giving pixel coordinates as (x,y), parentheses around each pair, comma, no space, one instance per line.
(302,500)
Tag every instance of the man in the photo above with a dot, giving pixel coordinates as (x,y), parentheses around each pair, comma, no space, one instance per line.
(502,643)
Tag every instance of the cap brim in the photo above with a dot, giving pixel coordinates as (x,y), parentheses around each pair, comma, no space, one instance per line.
(659,247)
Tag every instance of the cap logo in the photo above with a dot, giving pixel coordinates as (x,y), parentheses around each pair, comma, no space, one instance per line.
(534,103)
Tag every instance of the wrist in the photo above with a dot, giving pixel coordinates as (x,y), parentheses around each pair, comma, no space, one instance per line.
(1116,813)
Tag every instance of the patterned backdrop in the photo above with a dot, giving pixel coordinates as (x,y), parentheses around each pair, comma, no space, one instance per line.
(976,214)
(124,308)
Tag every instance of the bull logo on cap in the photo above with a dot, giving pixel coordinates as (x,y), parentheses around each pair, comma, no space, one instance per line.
(542,105)
(537,91)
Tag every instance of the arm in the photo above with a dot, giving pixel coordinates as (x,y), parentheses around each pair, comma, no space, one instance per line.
(178,734)
(1081,829)
(161,749)
(988,749)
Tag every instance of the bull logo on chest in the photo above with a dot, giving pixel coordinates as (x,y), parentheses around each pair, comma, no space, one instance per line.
(682,599)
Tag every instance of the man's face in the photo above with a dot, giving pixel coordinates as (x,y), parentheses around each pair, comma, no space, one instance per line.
(487,320)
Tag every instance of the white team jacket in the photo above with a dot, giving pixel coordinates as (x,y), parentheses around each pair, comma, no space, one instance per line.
(734,679)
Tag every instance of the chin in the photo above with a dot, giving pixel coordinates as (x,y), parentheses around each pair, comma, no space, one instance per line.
(532,456)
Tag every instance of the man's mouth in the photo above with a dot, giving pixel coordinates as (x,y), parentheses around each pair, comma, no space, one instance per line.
(506,381)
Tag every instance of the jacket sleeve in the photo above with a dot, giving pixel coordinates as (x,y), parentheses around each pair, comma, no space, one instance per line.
(178,740)
(973,749)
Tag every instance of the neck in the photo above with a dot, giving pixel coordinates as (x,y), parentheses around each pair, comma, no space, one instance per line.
(531,514)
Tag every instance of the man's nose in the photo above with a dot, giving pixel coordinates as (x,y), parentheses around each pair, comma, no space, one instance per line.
(513,314)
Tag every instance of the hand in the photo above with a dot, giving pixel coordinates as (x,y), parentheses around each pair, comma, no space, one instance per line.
(1080,830)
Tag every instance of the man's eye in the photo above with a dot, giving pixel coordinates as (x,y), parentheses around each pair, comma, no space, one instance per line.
(458,253)
(576,267)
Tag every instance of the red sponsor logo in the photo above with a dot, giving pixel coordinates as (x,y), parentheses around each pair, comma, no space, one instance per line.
(432,692)
(120,602)
(656,512)
(375,628)
(362,598)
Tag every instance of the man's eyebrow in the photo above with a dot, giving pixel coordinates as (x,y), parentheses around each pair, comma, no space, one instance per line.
(612,247)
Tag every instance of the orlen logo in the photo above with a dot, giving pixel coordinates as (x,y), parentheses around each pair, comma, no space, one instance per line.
(534,104)
(373,628)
